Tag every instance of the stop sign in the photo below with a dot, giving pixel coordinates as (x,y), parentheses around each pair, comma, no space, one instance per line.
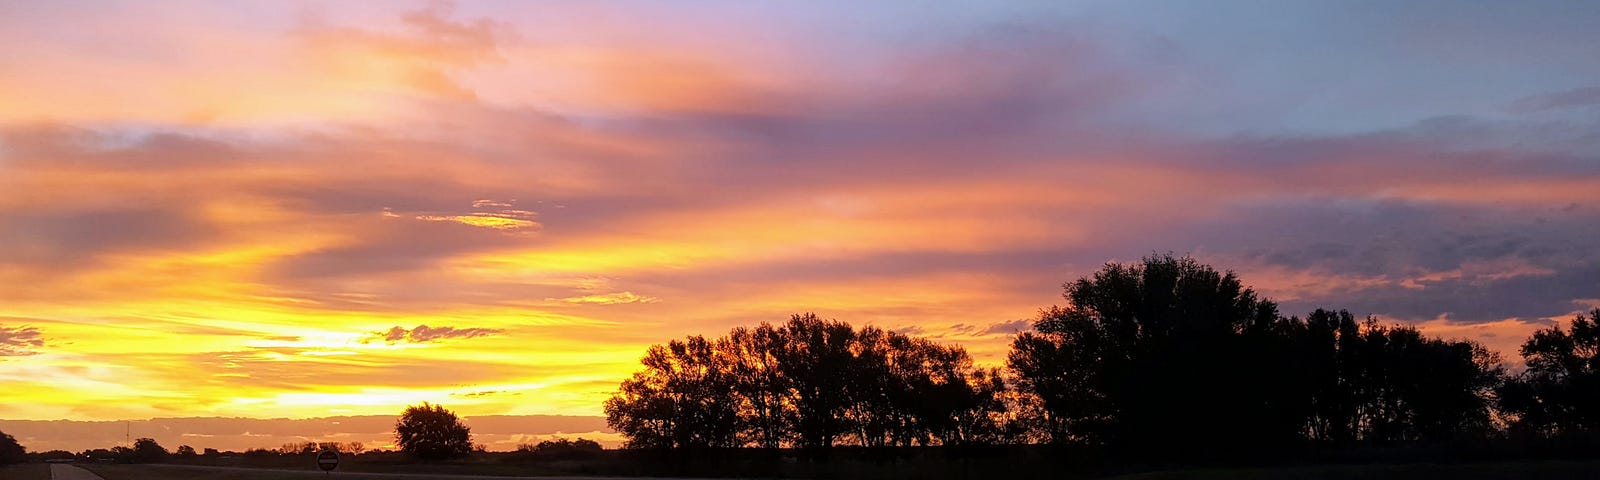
(328,460)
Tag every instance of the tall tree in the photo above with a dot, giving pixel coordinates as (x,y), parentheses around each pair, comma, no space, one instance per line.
(1134,339)
(1327,347)
(1413,388)
(764,393)
(1559,394)
(1170,357)
(817,360)
(685,397)
(1063,367)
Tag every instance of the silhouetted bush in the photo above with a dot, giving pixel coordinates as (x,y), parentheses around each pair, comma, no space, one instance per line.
(562,449)
(352,448)
(51,455)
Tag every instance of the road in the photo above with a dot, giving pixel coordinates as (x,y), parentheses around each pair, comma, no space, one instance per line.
(368,476)
(68,472)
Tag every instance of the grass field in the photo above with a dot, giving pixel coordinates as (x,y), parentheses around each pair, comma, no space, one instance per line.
(1540,470)
(164,472)
(170,472)
(27,471)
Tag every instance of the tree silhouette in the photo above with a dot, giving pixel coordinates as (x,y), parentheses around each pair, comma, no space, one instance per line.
(761,387)
(11,452)
(1170,357)
(1153,354)
(683,398)
(1164,358)
(1559,394)
(809,383)
(430,432)
(1415,388)
(1328,345)
(562,449)
(1062,366)
(817,361)
(146,450)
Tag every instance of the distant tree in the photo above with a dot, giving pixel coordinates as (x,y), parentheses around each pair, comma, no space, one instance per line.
(298,448)
(314,447)
(101,455)
(11,452)
(430,432)
(562,449)
(210,452)
(146,450)
(185,451)
(51,455)
(1559,393)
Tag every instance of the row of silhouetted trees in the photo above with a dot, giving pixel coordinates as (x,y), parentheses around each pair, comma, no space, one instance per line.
(810,383)
(1163,356)
(1172,356)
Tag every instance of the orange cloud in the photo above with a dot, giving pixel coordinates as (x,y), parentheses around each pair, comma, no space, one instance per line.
(206,214)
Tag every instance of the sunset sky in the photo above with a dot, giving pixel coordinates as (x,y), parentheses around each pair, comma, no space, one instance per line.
(302,209)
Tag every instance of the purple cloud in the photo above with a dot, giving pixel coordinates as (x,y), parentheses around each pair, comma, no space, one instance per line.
(425,334)
(1577,97)
(19,341)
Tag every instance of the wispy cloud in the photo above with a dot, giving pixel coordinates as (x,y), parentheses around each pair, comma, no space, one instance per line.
(1577,97)
(610,299)
(1008,328)
(19,341)
(426,334)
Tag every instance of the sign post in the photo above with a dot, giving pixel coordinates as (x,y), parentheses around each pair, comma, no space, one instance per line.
(327,461)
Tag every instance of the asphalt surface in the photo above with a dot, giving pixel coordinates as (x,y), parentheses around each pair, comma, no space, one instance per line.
(369,476)
(68,472)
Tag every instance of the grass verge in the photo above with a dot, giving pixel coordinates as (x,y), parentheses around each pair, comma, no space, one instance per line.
(26,471)
(169,472)
(1529,470)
